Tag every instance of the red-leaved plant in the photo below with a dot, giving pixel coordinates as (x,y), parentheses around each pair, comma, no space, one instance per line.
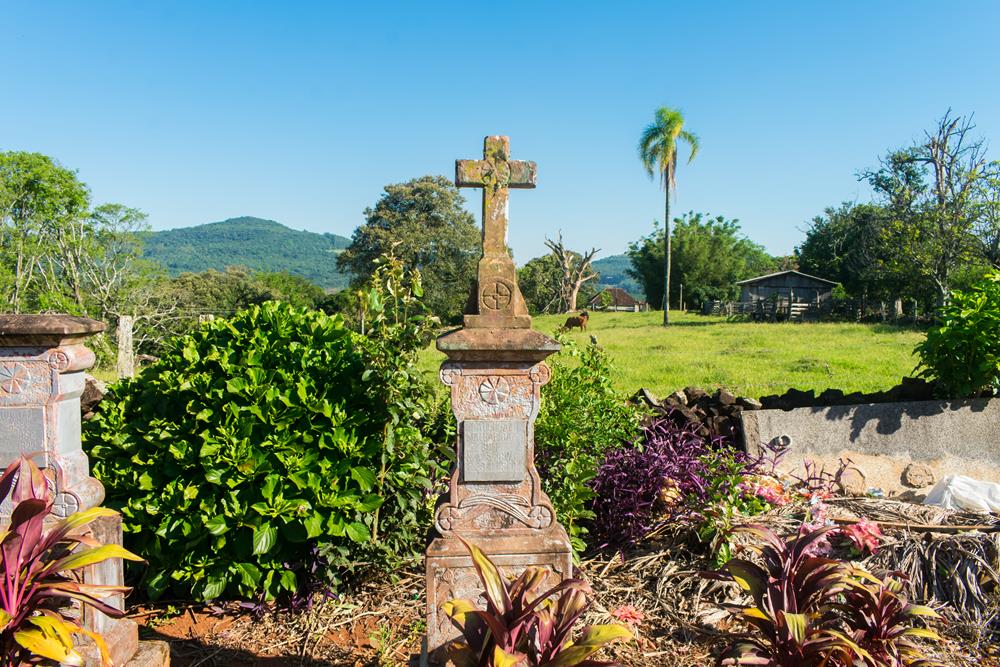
(36,564)
(814,611)
(524,628)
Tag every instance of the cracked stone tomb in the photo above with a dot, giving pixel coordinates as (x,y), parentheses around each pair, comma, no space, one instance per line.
(495,371)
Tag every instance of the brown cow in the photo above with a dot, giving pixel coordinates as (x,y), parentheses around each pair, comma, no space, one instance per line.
(577,321)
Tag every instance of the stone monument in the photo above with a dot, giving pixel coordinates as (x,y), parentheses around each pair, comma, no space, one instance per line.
(42,363)
(495,369)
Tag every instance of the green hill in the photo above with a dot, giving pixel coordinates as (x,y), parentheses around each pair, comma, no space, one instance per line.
(613,274)
(261,245)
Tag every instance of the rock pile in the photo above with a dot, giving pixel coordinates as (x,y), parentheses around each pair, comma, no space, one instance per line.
(910,389)
(711,414)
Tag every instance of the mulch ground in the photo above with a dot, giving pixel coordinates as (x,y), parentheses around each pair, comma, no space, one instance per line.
(685,622)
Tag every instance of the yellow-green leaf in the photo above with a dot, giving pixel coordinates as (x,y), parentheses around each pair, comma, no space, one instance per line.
(90,556)
(495,589)
(503,659)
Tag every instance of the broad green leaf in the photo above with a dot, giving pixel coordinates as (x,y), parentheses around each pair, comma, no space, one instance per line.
(264,538)
(364,477)
(217,525)
(215,585)
(358,532)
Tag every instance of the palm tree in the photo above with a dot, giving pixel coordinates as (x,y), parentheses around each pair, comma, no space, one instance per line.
(658,152)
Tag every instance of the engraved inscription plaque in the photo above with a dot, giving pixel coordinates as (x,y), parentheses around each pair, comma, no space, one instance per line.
(494,450)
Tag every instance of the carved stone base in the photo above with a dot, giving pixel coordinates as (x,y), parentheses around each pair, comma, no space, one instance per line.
(121,635)
(451,575)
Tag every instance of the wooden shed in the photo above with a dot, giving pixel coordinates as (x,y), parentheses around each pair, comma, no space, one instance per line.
(615,298)
(789,292)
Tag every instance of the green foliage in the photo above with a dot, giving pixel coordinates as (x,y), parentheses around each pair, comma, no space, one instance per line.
(260,245)
(292,289)
(260,440)
(962,353)
(539,280)
(422,222)
(709,255)
(582,417)
(724,501)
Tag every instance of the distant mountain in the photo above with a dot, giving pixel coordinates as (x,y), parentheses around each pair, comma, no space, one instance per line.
(613,274)
(258,244)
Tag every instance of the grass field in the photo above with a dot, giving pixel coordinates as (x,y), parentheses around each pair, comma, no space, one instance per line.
(748,358)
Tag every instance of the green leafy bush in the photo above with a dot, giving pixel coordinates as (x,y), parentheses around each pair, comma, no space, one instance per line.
(258,443)
(582,417)
(962,353)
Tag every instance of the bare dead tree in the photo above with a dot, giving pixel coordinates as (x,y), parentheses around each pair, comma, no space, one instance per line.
(935,191)
(576,270)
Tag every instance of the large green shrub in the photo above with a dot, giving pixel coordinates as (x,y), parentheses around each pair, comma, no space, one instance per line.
(962,353)
(582,417)
(259,444)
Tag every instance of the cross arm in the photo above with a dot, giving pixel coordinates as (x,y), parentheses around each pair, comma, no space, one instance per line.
(509,173)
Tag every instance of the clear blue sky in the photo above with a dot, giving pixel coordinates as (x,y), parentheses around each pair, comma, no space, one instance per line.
(199,111)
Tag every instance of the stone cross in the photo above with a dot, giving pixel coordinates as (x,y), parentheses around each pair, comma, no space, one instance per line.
(495,371)
(496,301)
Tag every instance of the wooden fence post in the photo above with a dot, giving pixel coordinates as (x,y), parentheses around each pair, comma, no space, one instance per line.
(126,355)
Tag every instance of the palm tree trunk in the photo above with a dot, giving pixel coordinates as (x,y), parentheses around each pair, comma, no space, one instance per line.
(666,256)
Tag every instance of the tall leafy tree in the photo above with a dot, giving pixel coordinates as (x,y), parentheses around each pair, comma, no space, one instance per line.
(937,192)
(710,255)
(39,201)
(423,223)
(658,152)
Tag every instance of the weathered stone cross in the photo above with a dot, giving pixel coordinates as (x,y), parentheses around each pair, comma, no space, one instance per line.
(498,302)
(495,173)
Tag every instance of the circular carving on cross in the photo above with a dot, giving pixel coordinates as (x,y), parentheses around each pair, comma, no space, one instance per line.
(58,360)
(65,504)
(494,390)
(14,379)
(497,294)
(495,173)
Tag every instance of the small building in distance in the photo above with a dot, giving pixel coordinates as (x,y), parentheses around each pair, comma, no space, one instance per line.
(791,294)
(616,299)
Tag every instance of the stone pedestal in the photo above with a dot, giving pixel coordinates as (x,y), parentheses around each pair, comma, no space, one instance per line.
(495,500)
(42,363)
(495,368)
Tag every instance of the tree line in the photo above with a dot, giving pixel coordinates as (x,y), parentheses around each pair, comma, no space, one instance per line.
(932,225)
(59,252)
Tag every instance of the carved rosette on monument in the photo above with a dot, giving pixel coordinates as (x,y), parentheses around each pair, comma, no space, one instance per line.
(42,363)
(495,370)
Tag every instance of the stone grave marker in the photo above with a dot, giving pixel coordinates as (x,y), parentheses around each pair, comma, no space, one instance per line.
(495,370)
(42,364)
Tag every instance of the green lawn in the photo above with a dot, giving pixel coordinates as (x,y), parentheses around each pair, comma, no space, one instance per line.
(748,358)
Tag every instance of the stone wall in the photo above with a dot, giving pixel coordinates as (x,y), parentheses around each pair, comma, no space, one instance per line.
(900,447)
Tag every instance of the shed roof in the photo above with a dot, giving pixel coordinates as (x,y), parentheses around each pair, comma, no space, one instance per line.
(781,273)
(619,297)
